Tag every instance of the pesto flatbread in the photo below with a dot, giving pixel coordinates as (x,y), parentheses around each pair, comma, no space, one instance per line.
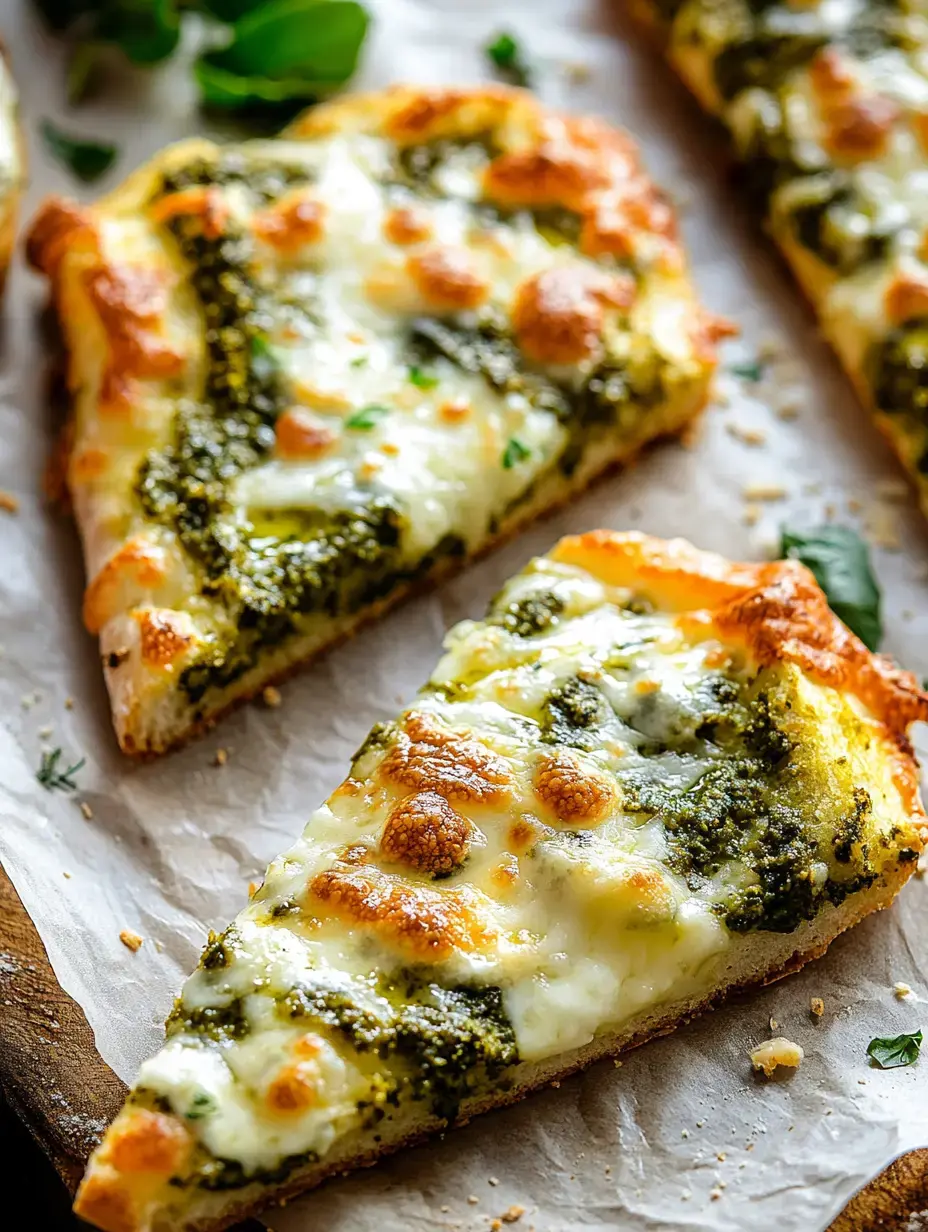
(312,373)
(647,777)
(827,105)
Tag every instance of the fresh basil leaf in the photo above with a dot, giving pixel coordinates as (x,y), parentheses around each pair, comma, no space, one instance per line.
(285,49)
(840,562)
(893,1051)
(87,159)
(422,378)
(366,418)
(514,452)
(506,55)
(748,372)
(147,30)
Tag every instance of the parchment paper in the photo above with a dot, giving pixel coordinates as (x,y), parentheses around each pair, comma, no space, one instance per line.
(168,849)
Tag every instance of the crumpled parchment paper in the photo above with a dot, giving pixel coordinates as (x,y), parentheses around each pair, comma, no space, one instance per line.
(681,1135)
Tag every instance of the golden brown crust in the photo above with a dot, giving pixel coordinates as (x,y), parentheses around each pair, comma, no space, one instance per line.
(446,279)
(164,636)
(576,796)
(292,222)
(139,562)
(59,227)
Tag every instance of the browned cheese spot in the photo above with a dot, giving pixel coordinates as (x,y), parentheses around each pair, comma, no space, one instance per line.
(558,315)
(573,794)
(446,279)
(426,757)
(425,833)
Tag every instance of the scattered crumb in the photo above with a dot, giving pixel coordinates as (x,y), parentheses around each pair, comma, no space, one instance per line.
(684,1133)
(45,732)
(495,1224)
(788,409)
(751,515)
(492,1180)
(67,876)
(472,1199)
(862,1082)
(763,492)
(513,1214)
(8,502)
(749,1147)
(747,436)
(617,1063)
(854,505)
(901,990)
(774,1025)
(555,1084)
(577,72)
(69,703)
(444,1209)
(715,1194)
(132,941)
(222,756)
(686,1195)
(817,1007)
(721,1157)
(775,1052)
(700,1124)
(87,811)
(159,947)
(271,697)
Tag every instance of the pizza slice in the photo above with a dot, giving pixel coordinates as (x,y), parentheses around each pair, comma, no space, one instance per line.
(827,106)
(649,776)
(314,372)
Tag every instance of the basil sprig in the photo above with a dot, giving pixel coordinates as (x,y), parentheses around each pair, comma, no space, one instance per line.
(893,1051)
(266,53)
(840,562)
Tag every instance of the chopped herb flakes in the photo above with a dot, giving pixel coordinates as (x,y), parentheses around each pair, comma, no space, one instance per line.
(514,452)
(505,54)
(366,418)
(752,371)
(422,378)
(894,1051)
(53,779)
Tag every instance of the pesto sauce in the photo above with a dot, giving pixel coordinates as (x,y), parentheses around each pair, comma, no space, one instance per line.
(748,805)
(897,368)
(535,613)
(453,1040)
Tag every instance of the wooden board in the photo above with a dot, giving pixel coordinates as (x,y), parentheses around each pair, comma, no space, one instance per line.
(56,1081)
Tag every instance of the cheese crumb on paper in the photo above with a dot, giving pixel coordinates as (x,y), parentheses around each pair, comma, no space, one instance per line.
(132,941)
(775,1052)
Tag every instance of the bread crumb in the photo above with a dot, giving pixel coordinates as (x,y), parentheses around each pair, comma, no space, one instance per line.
(495,1225)
(45,732)
(715,1194)
(69,703)
(445,1208)
(721,1157)
(513,1214)
(87,811)
(67,876)
(684,1133)
(472,1199)
(132,941)
(617,1063)
(492,1180)
(271,697)
(788,409)
(774,1052)
(763,492)
(901,989)
(774,1025)
(747,436)
(222,756)
(817,1007)
(8,502)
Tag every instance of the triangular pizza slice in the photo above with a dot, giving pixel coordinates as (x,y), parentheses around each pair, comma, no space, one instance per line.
(312,373)
(647,777)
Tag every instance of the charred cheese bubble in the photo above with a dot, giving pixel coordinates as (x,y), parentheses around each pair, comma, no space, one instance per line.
(314,372)
(827,104)
(648,776)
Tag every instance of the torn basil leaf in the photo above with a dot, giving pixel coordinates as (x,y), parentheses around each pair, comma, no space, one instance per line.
(893,1051)
(505,54)
(840,562)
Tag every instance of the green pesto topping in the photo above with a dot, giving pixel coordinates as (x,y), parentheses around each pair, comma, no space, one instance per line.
(449,1042)
(534,613)
(898,372)
(572,712)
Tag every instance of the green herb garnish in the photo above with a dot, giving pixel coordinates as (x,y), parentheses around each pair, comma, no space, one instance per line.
(53,779)
(367,417)
(276,51)
(514,452)
(893,1051)
(840,562)
(359,361)
(751,371)
(203,1104)
(87,159)
(505,54)
(421,378)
